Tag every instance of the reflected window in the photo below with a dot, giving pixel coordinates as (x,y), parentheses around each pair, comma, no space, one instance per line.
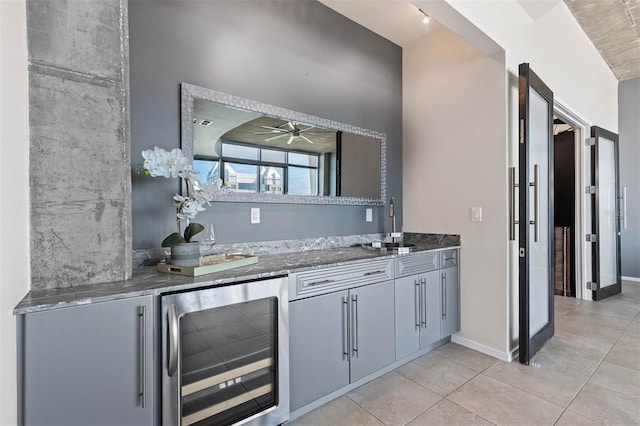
(252,169)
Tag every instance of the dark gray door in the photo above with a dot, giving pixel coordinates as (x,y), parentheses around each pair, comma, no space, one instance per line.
(605,214)
(450,300)
(535,213)
(407,313)
(433,308)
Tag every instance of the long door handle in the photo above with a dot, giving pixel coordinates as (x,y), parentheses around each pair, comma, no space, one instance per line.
(443,285)
(142,321)
(512,203)
(536,202)
(354,313)
(624,206)
(417,305)
(423,286)
(345,329)
(172,318)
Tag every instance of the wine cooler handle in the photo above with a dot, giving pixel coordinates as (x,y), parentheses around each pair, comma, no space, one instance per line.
(142,318)
(173,340)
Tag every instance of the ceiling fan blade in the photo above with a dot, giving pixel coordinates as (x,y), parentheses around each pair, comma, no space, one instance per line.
(306,139)
(308,128)
(290,140)
(276,137)
(269,133)
(277,129)
(293,127)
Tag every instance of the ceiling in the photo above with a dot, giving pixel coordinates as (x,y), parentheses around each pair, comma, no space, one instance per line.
(613,26)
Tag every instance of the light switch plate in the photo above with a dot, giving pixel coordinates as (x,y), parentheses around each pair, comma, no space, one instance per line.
(476,214)
(255,215)
(369,215)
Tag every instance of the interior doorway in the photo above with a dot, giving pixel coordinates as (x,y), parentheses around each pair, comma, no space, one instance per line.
(565,218)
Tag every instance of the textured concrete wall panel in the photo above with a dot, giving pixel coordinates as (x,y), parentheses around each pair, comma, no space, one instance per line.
(76,140)
(83,36)
(77,243)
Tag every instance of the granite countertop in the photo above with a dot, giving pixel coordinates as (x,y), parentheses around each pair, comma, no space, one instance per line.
(148,281)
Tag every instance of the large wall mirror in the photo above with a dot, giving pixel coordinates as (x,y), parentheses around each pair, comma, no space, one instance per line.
(265,153)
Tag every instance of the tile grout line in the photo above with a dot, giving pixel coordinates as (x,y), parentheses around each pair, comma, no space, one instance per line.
(591,375)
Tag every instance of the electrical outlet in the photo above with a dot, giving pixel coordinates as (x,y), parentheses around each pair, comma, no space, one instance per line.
(255,215)
(368,215)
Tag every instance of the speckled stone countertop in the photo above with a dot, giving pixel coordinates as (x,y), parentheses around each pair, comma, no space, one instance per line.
(148,281)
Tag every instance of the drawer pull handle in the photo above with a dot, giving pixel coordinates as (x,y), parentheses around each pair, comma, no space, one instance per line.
(366,274)
(320,282)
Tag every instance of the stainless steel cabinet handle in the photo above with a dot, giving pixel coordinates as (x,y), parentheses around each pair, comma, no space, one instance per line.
(354,301)
(536,203)
(444,296)
(345,330)
(142,320)
(366,274)
(417,305)
(320,282)
(512,203)
(172,331)
(423,283)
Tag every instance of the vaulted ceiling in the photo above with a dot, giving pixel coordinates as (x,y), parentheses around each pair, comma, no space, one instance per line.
(614,28)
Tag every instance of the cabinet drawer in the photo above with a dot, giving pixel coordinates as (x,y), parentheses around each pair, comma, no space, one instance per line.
(311,283)
(448,258)
(416,263)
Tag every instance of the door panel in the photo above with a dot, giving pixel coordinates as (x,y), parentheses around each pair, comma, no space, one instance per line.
(373,336)
(535,213)
(605,214)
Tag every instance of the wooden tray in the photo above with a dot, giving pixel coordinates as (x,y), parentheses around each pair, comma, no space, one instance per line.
(210,264)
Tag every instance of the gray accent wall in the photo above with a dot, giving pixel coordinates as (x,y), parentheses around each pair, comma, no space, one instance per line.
(629,128)
(79,142)
(298,55)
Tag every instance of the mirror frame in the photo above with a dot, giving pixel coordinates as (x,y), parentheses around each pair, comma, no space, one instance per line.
(190,92)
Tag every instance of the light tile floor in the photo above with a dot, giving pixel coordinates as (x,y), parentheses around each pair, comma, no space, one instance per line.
(587,374)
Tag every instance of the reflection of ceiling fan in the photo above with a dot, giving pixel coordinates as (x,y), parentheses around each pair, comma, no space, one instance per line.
(292,129)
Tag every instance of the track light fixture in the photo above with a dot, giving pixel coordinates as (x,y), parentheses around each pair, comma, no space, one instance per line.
(425,18)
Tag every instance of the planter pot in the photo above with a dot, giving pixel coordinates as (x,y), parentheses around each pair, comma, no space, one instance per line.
(186,254)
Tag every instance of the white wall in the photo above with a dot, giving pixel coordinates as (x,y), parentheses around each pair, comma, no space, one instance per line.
(562,55)
(14,192)
(454,155)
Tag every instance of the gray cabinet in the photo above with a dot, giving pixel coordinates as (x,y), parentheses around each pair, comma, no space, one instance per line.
(451,301)
(318,361)
(426,303)
(338,338)
(88,365)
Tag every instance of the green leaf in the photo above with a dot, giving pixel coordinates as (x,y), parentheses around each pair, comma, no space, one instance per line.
(173,240)
(192,230)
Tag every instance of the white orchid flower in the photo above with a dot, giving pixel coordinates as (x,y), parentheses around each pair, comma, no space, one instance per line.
(187,207)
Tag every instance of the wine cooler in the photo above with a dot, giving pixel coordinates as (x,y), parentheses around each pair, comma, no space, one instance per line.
(225,355)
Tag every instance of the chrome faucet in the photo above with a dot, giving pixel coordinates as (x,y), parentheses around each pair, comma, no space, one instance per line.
(392,215)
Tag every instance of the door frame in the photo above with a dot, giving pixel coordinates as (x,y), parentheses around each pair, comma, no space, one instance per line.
(582,202)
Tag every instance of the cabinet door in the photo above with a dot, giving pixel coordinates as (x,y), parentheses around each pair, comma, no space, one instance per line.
(451,313)
(373,335)
(407,314)
(431,331)
(89,365)
(317,335)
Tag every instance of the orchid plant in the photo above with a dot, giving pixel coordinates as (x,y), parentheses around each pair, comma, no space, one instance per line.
(174,164)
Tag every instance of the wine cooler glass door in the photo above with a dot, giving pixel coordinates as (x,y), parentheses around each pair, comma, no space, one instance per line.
(224,355)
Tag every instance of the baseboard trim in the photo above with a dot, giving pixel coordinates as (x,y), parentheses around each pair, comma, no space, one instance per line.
(636,279)
(503,356)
